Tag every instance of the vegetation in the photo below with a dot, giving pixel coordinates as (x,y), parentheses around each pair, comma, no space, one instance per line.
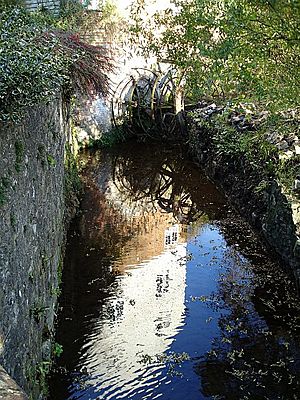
(244,49)
(72,185)
(57,349)
(242,54)
(19,151)
(247,146)
(39,57)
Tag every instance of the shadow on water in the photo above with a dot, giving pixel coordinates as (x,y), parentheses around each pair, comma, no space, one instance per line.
(167,293)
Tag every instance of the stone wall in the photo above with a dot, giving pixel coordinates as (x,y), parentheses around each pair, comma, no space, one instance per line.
(274,213)
(33,5)
(31,239)
(9,390)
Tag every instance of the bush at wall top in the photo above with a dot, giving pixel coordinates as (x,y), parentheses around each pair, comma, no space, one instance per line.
(37,61)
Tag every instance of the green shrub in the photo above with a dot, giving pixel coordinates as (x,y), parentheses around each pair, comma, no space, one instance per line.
(37,60)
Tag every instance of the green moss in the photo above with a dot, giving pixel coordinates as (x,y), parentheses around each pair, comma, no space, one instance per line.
(41,150)
(60,271)
(19,152)
(2,196)
(72,184)
(44,262)
(288,170)
(52,129)
(51,160)
(56,291)
(38,312)
(37,378)
(31,276)
(5,184)
(13,220)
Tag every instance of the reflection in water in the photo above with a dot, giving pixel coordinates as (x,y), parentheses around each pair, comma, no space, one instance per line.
(257,354)
(124,334)
(167,182)
(166,294)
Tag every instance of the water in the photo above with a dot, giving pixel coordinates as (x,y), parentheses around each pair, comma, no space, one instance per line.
(167,294)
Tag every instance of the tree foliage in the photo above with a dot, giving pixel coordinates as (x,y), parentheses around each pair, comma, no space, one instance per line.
(238,48)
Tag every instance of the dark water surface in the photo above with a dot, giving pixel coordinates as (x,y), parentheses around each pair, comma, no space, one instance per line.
(167,294)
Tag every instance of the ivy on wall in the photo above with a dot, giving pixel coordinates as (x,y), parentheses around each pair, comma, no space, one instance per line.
(39,57)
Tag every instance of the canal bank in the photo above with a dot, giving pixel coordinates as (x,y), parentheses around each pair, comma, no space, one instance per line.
(251,172)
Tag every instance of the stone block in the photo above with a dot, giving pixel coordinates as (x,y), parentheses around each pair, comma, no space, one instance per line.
(9,390)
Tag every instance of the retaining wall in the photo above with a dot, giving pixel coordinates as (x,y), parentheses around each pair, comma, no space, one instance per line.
(274,213)
(32,228)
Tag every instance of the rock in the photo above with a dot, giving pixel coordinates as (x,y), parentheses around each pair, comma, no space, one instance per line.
(297,248)
(297,149)
(46,349)
(297,184)
(286,155)
(272,137)
(283,145)
(9,390)
(238,119)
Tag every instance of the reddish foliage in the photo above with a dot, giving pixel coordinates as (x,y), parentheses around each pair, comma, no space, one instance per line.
(88,66)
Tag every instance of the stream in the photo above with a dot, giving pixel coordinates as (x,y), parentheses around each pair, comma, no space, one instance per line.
(167,293)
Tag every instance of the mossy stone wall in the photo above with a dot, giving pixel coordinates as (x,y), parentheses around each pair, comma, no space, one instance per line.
(32,208)
(271,211)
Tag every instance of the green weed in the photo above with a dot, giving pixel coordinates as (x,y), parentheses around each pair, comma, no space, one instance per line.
(19,151)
